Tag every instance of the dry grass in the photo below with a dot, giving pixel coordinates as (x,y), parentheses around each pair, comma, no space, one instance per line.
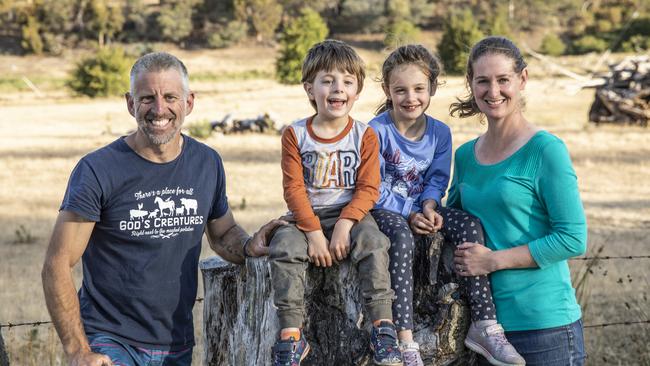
(41,139)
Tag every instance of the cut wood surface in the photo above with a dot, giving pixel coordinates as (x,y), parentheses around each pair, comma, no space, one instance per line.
(624,97)
(4,359)
(241,325)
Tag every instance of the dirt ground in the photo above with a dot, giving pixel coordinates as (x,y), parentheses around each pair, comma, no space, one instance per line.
(42,138)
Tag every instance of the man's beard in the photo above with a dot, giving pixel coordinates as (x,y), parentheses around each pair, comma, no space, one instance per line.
(158,138)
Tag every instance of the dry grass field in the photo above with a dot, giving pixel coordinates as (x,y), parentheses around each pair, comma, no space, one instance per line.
(42,138)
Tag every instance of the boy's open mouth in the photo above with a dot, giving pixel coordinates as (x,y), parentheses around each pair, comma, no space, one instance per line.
(336,103)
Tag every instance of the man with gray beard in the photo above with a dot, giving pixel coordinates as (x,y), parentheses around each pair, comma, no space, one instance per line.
(139,285)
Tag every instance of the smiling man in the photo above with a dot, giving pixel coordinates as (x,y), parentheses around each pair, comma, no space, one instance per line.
(135,212)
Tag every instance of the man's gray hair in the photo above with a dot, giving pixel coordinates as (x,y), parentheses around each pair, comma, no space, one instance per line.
(159,61)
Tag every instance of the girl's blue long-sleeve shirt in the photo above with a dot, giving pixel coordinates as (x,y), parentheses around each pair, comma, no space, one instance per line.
(412,171)
(529,198)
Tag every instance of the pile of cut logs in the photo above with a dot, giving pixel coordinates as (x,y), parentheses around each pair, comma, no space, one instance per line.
(262,124)
(624,97)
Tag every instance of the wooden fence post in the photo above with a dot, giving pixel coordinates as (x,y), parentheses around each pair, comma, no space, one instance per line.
(240,322)
(4,359)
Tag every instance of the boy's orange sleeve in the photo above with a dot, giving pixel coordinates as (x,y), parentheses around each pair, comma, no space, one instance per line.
(295,193)
(368,179)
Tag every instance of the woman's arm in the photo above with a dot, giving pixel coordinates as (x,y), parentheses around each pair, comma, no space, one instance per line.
(557,187)
(472,259)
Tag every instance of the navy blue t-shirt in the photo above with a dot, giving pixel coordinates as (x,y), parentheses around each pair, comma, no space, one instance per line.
(140,266)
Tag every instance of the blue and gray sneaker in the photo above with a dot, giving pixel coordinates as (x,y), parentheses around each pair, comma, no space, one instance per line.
(290,352)
(383,341)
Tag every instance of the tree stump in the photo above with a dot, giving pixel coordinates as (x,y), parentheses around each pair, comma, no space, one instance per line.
(4,359)
(241,325)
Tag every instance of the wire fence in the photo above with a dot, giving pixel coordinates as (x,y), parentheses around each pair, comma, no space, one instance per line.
(588,326)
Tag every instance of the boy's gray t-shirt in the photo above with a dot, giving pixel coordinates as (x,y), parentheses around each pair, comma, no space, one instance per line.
(140,265)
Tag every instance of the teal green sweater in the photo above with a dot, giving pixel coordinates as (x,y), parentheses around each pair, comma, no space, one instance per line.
(529,198)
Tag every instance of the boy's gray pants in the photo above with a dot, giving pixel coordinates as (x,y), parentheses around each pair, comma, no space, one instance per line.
(368,253)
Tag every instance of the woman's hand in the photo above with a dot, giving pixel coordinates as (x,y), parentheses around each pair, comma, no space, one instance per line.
(473,259)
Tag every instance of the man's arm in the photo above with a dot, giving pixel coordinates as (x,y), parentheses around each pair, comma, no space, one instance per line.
(69,240)
(228,239)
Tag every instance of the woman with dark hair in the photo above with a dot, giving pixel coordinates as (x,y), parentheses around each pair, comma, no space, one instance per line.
(519,181)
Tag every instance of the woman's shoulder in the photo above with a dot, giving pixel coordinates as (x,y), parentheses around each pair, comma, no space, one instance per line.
(546,143)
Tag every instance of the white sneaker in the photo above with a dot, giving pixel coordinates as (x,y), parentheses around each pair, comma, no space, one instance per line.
(411,354)
(489,340)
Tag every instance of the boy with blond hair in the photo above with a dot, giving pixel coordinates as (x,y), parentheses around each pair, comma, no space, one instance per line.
(330,167)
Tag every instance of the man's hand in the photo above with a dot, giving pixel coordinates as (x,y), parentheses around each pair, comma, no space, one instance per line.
(340,244)
(88,358)
(317,249)
(259,244)
(429,211)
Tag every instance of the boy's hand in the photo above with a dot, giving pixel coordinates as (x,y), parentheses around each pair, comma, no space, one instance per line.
(340,244)
(317,249)
(429,211)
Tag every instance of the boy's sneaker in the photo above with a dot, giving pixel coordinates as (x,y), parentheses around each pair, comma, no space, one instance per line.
(383,341)
(411,354)
(290,352)
(488,339)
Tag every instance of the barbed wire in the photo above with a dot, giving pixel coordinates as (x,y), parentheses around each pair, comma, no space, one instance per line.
(201,299)
(602,325)
(611,257)
(33,324)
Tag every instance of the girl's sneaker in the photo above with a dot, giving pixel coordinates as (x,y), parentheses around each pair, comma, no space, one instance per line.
(383,341)
(411,354)
(290,352)
(487,338)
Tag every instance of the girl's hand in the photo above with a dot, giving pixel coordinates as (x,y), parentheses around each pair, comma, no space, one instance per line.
(429,211)
(473,259)
(317,250)
(420,224)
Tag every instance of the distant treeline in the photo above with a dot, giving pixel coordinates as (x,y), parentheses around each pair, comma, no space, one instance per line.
(568,26)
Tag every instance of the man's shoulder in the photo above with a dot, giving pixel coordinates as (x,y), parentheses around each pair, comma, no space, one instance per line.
(195,146)
(108,152)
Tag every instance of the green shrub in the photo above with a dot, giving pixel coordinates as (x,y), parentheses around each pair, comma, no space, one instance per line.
(636,43)
(603,26)
(32,41)
(586,44)
(226,36)
(400,32)
(175,20)
(265,17)
(104,74)
(301,33)
(53,44)
(201,129)
(497,25)
(460,33)
(552,45)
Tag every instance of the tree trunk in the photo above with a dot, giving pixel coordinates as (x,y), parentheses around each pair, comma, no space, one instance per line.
(241,325)
(4,359)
